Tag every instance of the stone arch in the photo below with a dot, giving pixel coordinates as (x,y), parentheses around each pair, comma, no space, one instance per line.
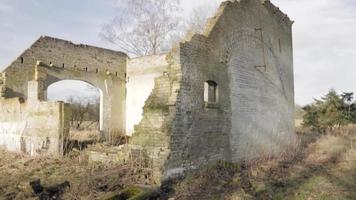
(100,96)
(112,94)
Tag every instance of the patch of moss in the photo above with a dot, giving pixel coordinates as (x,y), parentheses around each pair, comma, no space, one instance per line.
(131,193)
(156,107)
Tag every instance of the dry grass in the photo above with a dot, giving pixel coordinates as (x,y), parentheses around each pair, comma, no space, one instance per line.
(88,180)
(89,131)
(322,168)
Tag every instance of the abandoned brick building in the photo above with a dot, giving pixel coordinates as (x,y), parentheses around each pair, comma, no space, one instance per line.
(226,94)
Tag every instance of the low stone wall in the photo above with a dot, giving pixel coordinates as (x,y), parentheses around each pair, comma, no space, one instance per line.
(33,127)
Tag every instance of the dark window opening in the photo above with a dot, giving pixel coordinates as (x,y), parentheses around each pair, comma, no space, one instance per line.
(210,92)
(21,60)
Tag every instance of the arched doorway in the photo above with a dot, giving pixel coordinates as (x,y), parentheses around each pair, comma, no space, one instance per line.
(86,105)
(112,99)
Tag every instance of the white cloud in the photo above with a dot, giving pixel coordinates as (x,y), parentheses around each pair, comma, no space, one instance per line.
(324,46)
(6,6)
(189,5)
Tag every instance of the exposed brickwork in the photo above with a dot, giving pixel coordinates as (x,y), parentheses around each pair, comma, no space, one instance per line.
(2,85)
(247,50)
(141,74)
(153,133)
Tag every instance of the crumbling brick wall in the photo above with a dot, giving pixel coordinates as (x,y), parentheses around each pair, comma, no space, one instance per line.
(245,54)
(247,51)
(152,136)
(141,74)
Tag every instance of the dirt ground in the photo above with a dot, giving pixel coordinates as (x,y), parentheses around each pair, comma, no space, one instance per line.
(324,167)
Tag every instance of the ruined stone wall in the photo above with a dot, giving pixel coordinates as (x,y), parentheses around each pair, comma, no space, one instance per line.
(152,135)
(63,60)
(200,133)
(141,75)
(253,39)
(177,131)
(247,51)
(62,54)
(33,127)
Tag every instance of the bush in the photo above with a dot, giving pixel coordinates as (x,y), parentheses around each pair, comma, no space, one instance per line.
(332,110)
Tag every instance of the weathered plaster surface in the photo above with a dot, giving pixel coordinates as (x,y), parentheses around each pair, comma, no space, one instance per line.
(33,127)
(141,73)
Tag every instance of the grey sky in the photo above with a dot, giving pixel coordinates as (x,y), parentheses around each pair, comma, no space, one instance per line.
(324,35)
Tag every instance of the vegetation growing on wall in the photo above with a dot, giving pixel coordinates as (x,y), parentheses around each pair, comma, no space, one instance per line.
(157,107)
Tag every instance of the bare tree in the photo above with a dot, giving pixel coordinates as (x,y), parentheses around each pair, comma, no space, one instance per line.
(79,110)
(144,26)
(198,18)
(83,111)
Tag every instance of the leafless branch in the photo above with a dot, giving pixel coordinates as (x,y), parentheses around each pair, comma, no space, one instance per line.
(146,26)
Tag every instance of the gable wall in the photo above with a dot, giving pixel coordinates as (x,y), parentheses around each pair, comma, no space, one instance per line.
(255,112)
(250,35)
(59,53)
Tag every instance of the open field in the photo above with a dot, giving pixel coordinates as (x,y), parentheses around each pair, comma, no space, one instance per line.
(324,167)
